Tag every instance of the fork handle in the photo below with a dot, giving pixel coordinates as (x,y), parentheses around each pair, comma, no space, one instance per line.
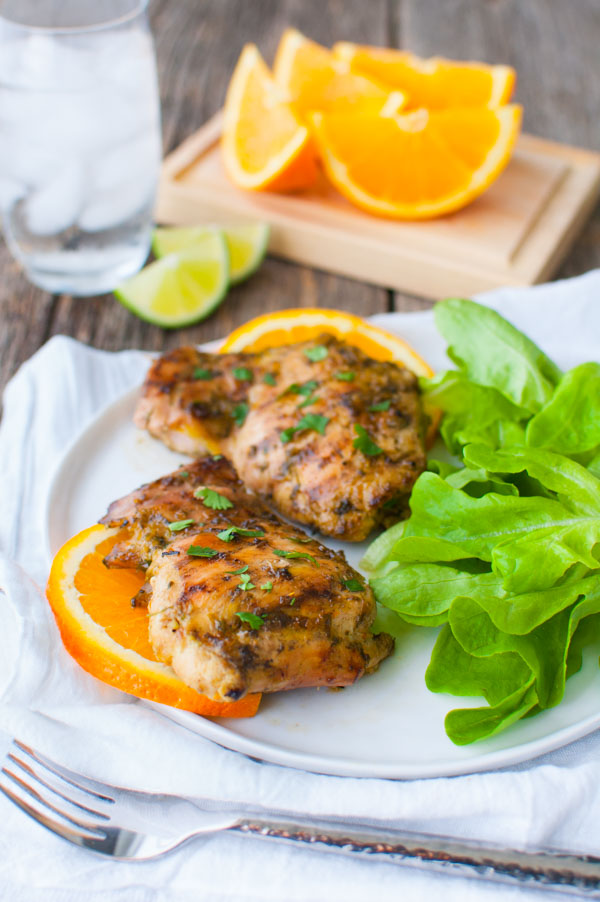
(552,869)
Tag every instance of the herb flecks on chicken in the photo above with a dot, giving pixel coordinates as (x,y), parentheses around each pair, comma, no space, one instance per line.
(332,438)
(240,601)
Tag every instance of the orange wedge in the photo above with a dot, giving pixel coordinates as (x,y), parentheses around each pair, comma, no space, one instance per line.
(108,637)
(434,83)
(265,145)
(305,323)
(313,78)
(416,165)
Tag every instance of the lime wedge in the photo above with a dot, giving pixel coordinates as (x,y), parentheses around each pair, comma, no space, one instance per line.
(247,245)
(181,288)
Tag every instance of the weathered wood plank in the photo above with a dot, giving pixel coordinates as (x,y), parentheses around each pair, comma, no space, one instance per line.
(25,314)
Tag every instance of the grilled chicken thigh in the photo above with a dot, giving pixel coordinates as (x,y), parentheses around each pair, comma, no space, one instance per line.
(329,436)
(240,601)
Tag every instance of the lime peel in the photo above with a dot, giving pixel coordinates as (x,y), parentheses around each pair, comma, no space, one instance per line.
(181,288)
(247,244)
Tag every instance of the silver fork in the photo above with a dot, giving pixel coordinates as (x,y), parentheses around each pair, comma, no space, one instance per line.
(135,826)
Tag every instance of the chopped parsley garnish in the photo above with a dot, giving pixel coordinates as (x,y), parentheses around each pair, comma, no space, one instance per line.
(217,457)
(212,499)
(267,586)
(237,572)
(313,421)
(295,554)
(307,388)
(200,551)
(227,535)
(382,405)
(242,374)
(365,443)
(255,621)
(293,600)
(346,377)
(245,582)
(201,373)
(239,413)
(269,379)
(184,474)
(308,401)
(178,525)
(354,585)
(319,352)
(309,421)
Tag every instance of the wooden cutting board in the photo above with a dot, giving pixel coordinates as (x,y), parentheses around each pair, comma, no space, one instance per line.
(517,233)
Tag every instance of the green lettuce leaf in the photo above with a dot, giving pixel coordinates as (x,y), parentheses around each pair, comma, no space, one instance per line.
(504,552)
(520,614)
(575,486)
(478,482)
(594,466)
(473,413)
(454,670)
(427,590)
(569,422)
(465,725)
(475,525)
(544,649)
(493,352)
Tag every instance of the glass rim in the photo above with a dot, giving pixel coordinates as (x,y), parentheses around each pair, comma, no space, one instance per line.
(140,7)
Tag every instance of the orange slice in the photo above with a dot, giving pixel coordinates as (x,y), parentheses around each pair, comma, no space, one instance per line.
(313,78)
(265,145)
(416,165)
(434,83)
(108,637)
(288,326)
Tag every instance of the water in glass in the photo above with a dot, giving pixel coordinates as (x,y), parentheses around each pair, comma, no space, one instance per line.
(79,142)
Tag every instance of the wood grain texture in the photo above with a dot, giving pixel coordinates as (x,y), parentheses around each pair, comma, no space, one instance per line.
(552,43)
(25,316)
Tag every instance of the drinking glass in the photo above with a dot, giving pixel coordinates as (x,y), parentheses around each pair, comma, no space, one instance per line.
(80,142)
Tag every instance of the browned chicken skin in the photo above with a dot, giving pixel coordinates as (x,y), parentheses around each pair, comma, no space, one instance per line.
(257,613)
(335,442)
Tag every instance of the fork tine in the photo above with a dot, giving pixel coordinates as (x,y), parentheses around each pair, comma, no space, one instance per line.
(94,829)
(77,780)
(78,837)
(38,778)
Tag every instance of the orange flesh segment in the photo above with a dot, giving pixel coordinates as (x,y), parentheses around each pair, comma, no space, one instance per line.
(428,162)
(314,79)
(265,145)
(115,647)
(434,83)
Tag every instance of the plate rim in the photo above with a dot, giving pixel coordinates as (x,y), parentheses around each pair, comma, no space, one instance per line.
(347,767)
(215,731)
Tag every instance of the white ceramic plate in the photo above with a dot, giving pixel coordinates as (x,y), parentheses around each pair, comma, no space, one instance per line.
(387,725)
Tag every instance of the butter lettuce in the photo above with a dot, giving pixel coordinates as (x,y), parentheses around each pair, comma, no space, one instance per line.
(502,547)
(473,413)
(493,353)
(570,422)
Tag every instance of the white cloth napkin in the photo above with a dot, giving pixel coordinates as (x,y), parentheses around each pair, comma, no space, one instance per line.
(48,701)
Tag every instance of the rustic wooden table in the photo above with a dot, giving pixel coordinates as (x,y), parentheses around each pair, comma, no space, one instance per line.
(552,44)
